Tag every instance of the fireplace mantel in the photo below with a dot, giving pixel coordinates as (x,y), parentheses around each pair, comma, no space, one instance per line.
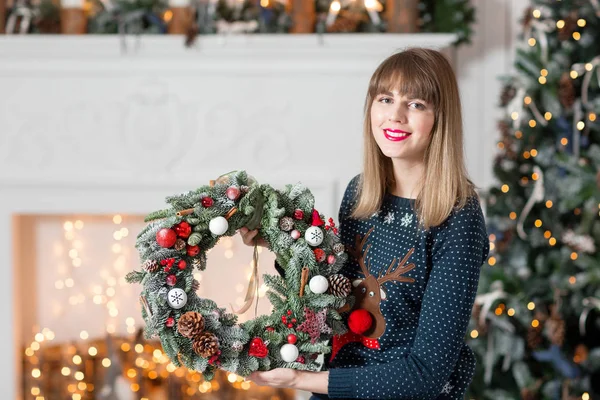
(86,127)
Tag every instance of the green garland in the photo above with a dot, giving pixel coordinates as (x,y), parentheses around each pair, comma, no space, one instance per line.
(193,331)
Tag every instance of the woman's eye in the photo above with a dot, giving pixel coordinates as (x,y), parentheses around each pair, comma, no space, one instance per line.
(385,100)
(417,106)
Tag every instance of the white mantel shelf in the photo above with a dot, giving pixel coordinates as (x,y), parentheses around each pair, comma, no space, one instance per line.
(275,52)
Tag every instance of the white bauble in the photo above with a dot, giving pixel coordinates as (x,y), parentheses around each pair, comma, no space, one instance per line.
(314,236)
(289,352)
(177,298)
(318,284)
(218,225)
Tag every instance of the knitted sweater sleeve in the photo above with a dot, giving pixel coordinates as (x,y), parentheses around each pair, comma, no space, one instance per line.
(460,248)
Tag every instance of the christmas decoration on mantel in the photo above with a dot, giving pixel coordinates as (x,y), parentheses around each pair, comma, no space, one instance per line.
(536,325)
(206,17)
(195,332)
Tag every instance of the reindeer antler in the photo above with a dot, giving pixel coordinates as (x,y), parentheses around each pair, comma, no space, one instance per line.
(396,275)
(360,256)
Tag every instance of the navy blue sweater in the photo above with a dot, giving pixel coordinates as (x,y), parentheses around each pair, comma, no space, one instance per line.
(422,352)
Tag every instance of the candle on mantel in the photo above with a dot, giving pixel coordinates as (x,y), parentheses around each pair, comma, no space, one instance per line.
(178,16)
(402,16)
(72,17)
(303,15)
(373,7)
(334,10)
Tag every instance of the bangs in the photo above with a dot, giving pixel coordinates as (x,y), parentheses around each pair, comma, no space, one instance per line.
(402,73)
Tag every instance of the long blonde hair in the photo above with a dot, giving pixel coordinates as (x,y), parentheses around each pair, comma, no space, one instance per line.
(425,74)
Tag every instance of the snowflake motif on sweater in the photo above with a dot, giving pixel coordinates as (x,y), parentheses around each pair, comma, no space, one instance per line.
(389,218)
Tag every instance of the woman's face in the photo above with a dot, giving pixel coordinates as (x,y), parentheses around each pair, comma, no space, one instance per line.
(402,126)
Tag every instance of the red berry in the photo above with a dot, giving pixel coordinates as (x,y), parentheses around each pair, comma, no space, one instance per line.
(292,339)
(330,259)
(270,329)
(166,237)
(290,325)
(193,250)
(207,202)
(298,214)
(182,264)
(284,319)
(168,268)
(170,322)
(170,262)
(171,280)
(183,229)
(163,262)
(289,312)
(300,359)
(294,320)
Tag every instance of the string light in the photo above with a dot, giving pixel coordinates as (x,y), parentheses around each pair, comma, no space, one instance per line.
(572,280)
(560,24)
(505,188)
(552,241)
(492,261)
(538,223)
(580,125)
(535,323)
(532,123)
(581,22)
(547,115)
(564,141)
(576,35)
(542,80)
(518,134)
(510,312)
(592,117)
(474,334)
(549,204)
(513,215)
(531,305)
(574,256)
(531,42)
(574,74)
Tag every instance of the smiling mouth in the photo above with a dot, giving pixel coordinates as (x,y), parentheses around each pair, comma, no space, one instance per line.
(396,135)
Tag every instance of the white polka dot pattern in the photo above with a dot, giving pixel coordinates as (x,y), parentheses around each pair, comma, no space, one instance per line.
(423,353)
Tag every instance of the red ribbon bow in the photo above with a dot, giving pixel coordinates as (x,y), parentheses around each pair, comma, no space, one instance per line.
(340,341)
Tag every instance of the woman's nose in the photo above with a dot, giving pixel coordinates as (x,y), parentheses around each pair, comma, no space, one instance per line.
(397,115)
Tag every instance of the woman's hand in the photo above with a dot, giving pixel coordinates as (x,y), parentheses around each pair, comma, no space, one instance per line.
(316,382)
(250,237)
(277,378)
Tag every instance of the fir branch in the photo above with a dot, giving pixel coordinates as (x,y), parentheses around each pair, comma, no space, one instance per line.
(135,277)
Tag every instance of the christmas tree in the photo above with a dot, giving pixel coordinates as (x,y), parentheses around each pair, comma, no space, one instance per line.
(536,322)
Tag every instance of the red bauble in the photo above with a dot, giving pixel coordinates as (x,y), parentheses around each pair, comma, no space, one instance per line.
(207,202)
(182,264)
(298,214)
(258,348)
(319,255)
(171,280)
(170,322)
(292,339)
(193,250)
(316,219)
(183,229)
(359,321)
(300,359)
(166,237)
(232,193)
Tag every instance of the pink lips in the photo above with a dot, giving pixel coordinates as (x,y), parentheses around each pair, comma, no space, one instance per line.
(395,138)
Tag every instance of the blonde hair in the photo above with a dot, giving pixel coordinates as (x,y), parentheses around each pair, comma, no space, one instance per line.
(425,74)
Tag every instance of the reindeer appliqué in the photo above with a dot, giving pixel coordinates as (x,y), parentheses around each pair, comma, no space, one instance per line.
(369,293)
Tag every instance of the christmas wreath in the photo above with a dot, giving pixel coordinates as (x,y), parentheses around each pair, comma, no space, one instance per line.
(199,335)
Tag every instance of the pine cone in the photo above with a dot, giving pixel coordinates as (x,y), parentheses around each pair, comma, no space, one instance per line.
(286,224)
(556,330)
(339,285)
(180,245)
(534,337)
(570,26)
(206,345)
(196,263)
(150,266)
(508,93)
(528,394)
(195,285)
(476,314)
(338,248)
(566,91)
(190,324)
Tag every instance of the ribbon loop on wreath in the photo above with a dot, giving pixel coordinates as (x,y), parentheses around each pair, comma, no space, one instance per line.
(252,291)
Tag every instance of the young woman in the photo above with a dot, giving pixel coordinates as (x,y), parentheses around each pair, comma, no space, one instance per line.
(418,214)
